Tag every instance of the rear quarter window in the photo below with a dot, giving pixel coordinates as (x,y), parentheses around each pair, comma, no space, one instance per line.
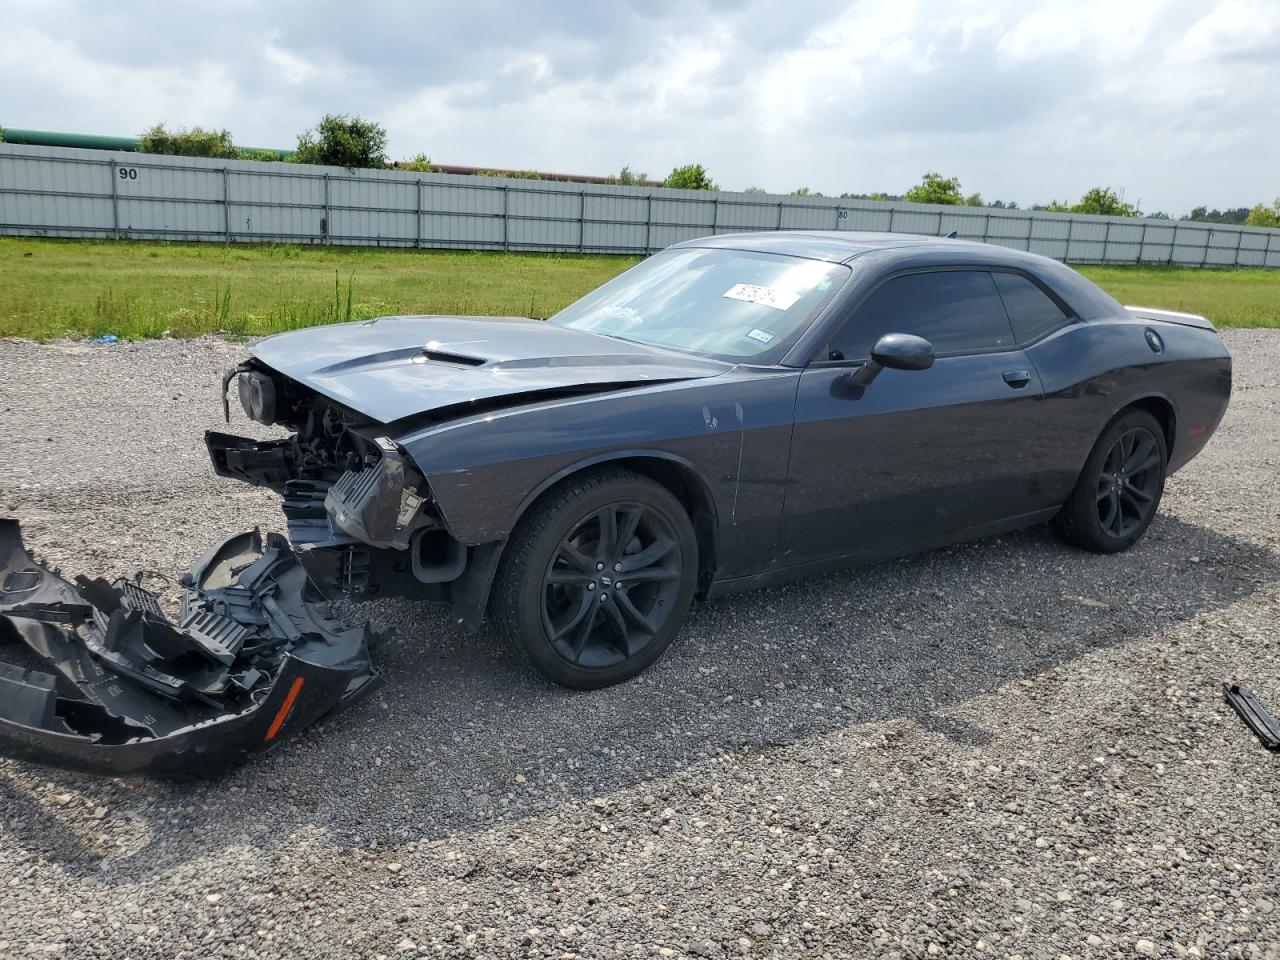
(1031,310)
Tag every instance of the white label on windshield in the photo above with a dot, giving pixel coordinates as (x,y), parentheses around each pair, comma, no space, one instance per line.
(764,336)
(750,293)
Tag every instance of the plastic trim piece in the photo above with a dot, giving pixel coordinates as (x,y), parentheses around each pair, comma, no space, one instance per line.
(1255,716)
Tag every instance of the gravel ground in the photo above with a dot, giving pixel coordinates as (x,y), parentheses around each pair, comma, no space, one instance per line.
(1005,749)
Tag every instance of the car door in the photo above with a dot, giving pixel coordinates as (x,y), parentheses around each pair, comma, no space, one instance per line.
(915,454)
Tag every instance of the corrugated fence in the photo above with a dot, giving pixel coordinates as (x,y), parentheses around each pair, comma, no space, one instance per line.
(62,192)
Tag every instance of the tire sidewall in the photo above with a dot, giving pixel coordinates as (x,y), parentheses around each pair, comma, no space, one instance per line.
(529,620)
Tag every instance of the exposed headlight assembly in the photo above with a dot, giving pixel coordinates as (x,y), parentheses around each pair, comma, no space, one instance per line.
(258,396)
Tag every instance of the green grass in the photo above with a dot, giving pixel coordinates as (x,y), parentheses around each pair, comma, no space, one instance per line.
(72,288)
(1230,298)
(68,288)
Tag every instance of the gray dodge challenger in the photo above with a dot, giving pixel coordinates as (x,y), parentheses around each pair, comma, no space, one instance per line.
(733,412)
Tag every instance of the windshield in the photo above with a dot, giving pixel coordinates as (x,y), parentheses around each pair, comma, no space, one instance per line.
(730,304)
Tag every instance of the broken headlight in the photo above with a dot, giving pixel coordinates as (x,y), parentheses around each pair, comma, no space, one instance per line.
(258,396)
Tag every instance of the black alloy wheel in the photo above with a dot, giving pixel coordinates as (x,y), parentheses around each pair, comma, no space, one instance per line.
(1118,491)
(611,585)
(597,578)
(1130,482)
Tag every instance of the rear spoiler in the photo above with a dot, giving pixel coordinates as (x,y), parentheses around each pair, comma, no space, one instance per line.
(1170,316)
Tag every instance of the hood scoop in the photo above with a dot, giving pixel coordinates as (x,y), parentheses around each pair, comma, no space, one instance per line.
(405,355)
(443,356)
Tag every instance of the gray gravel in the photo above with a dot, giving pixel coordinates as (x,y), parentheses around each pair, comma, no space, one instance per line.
(1006,749)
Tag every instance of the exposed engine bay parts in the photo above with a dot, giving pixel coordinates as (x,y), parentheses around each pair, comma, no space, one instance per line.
(94,676)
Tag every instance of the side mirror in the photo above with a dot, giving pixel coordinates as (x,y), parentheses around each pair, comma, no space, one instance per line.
(897,351)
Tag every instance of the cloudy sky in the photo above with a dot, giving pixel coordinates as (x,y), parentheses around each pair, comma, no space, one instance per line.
(1177,102)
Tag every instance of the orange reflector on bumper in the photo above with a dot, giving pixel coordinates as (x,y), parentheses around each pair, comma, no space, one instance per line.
(283,713)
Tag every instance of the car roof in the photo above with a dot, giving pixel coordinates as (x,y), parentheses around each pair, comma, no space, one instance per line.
(907,251)
(835,246)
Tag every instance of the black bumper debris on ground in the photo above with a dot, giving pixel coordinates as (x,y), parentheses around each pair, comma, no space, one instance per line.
(1254,714)
(94,676)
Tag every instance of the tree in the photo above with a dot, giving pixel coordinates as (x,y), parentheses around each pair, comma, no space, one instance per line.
(973,200)
(1205,215)
(1105,202)
(691,177)
(196,142)
(755,190)
(1264,216)
(628,179)
(935,188)
(1102,201)
(342,141)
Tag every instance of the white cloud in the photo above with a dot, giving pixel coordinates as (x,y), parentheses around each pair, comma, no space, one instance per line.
(1171,99)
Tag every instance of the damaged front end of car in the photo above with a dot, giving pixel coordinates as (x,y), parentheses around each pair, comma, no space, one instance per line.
(94,677)
(359,514)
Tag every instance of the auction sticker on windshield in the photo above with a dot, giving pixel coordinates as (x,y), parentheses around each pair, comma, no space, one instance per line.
(768,296)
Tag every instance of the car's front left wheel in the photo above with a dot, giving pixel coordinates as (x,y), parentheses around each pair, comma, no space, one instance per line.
(597,578)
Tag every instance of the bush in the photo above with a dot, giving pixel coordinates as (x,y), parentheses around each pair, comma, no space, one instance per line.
(262,156)
(510,174)
(342,141)
(805,192)
(628,179)
(196,142)
(419,163)
(1264,216)
(691,177)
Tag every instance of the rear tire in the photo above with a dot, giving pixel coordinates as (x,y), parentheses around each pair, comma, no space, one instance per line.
(597,579)
(1118,492)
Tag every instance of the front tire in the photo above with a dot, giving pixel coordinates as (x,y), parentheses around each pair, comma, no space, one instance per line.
(1119,490)
(598,578)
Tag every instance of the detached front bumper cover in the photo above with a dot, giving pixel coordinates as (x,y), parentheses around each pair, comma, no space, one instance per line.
(95,678)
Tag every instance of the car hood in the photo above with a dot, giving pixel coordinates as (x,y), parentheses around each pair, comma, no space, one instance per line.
(396,367)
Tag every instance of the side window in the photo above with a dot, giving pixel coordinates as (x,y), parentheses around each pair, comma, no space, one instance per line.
(1032,312)
(958,311)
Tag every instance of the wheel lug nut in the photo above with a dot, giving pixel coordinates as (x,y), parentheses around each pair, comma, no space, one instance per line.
(604,597)
(599,566)
(591,586)
(617,568)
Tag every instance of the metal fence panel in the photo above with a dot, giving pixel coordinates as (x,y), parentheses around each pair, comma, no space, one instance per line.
(55,191)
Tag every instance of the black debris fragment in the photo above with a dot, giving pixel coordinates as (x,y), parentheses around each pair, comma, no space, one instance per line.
(95,677)
(1254,714)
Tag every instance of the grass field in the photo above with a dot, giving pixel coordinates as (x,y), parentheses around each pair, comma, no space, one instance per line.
(55,288)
